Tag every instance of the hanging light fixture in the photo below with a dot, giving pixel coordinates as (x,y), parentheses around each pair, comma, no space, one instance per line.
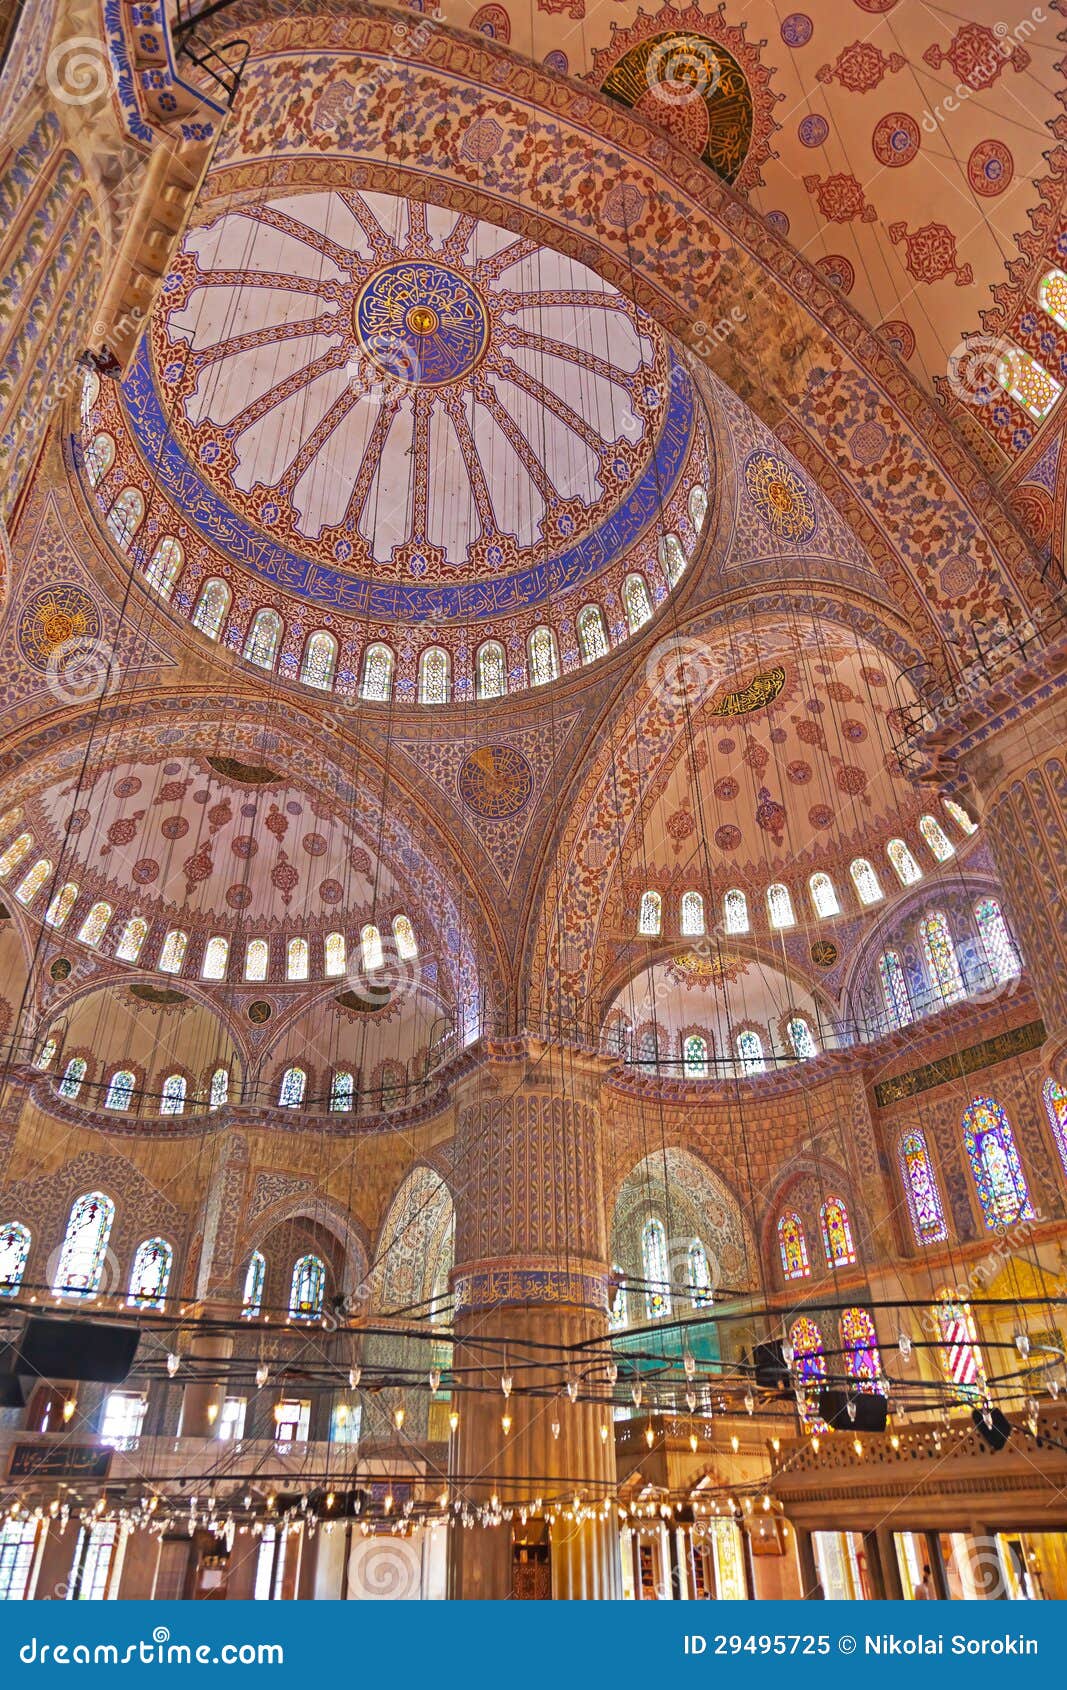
(355,1374)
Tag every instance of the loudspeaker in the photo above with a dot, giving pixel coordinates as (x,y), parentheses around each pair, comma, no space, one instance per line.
(997,1433)
(12,1394)
(871,1410)
(77,1349)
(771,1372)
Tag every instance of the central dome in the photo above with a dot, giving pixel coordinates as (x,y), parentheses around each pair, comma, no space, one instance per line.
(422,324)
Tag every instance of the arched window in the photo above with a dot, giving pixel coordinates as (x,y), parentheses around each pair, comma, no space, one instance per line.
(1027,382)
(1055,1097)
(801,1038)
(257,959)
(692,914)
(936,837)
(81,1259)
(698,506)
(749,1049)
(95,925)
(809,1366)
(134,935)
(492,668)
(650,916)
(334,950)
(859,1343)
(905,867)
(592,635)
(172,1098)
(164,566)
(219,1090)
(647,1044)
(544,657)
(920,1188)
(393,1083)
(864,879)
(1000,952)
(211,608)
(435,671)
(33,881)
(793,1247)
(695,1057)
(370,944)
(894,989)
(125,516)
(309,1283)
(960,816)
(45,1055)
(998,1174)
(404,939)
(836,1233)
(735,912)
(14,1250)
(377,683)
(264,638)
(120,1090)
(151,1274)
(293,1086)
(73,1075)
(252,1295)
(61,905)
(342,1091)
(172,954)
(780,906)
(823,895)
(700,1286)
(618,1314)
(89,395)
(941,965)
(961,1359)
(638,604)
(15,853)
(320,660)
(616,1031)
(671,558)
(99,457)
(216,957)
(656,1269)
(296,959)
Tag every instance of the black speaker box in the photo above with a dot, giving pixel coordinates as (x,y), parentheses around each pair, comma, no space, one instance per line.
(771,1372)
(12,1394)
(871,1410)
(997,1433)
(77,1349)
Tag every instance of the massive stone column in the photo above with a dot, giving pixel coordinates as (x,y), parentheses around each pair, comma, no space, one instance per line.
(532,1265)
(217,1291)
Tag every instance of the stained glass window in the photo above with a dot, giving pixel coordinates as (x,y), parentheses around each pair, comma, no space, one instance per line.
(809,1366)
(370,944)
(700,1286)
(1052,295)
(735,912)
(960,1356)
(936,837)
(172,1098)
(801,1038)
(33,881)
(1028,383)
(378,673)
(960,816)
(172,954)
(95,925)
(320,661)
(134,935)
(793,1247)
(294,1083)
(296,959)
(894,989)
(120,1089)
(998,1174)
(592,635)
(335,955)
(695,1057)
(692,914)
(617,1316)
(99,457)
(73,1075)
(309,1283)
(151,1274)
(656,1268)
(257,959)
(780,906)
(216,957)
(1055,1097)
(1000,952)
(940,954)
(404,938)
(89,395)
(544,658)
(671,558)
(264,639)
(81,1259)
(492,670)
(859,1342)
(823,895)
(211,608)
(905,867)
(836,1233)
(864,879)
(698,506)
(342,1091)
(647,1043)
(14,1251)
(255,1275)
(164,566)
(219,1090)
(15,853)
(638,604)
(44,1056)
(749,1049)
(920,1188)
(435,685)
(651,915)
(125,516)
(61,905)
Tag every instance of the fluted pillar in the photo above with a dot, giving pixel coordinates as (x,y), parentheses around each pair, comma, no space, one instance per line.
(217,1289)
(532,1266)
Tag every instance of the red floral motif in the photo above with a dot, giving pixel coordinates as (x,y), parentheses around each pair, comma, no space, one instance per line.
(851,778)
(728,837)
(726,789)
(755,754)
(799,772)
(331,891)
(837,270)
(861,67)
(276,823)
(314,844)
(895,140)
(175,827)
(680,825)
(990,168)
(810,733)
(930,253)
(840,198)
(219,815)
(285,879)
(900,336)
(121,832)
(978,56)
(171,791)
(144,871)
(770,815)
(198,867)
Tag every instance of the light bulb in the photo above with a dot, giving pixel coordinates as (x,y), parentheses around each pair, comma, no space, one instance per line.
(174,1361)
(330,1499)
(603,1431)
(453,1419)
(69,1408)
(612,1371)
(788,1352)
(355,1374)
(857,1446)
(689,1362)
(690,1400)
(398,1417)
(505,1424)
(650,1436)
(815,1442)
(572,1389)
(262,1373)
(894,1441)
(904,1345)
(850,1408)
(735,1443)
(636,1394)
(693,1442)
(1022,1343)
(212,1413)
(505,1384)
(776,1444)
(750,1402)
(435,1378)
(555,1428)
